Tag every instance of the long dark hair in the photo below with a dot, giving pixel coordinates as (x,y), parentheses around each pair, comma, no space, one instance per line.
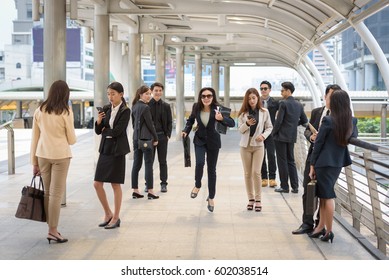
(119,88)
(139,92)
(200,105)
(245,105)
(58,98)
(342,116)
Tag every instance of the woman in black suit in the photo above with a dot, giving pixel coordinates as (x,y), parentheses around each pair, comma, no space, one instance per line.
(206,139)
(143,125)
(112,124)
(330,154)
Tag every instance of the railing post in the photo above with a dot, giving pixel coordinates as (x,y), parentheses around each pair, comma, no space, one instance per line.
(375,202)
(10,148)
(355,209)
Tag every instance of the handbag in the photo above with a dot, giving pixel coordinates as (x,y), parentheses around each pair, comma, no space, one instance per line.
(145,144)
(31,205)
(186,144)
(311,199)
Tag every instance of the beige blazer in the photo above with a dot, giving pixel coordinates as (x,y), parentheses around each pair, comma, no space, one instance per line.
(264,128)
(51,136)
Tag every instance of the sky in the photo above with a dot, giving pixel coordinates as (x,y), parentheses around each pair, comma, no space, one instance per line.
(7,15)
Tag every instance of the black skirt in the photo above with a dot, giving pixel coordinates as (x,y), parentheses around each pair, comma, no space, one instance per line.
(111,169)
(326,178)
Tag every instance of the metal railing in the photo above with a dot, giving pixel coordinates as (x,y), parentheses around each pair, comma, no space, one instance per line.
(362,190)
(10,146)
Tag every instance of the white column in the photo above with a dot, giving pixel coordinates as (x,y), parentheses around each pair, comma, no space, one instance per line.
(180,88)
(54,43)
(371,73)
(101,55)
(311,85)
(215,77)
(198,75)
(317,75)
(160,62)
(134,62)
(227,86)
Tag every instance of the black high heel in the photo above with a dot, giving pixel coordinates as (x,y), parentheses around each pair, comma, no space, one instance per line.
(105,223)
(317,234)
(194,194)
(258,206)
(152,196)
(115,225)
(209,206)
(56,239)
(329,236)
(250,206)
(136,195)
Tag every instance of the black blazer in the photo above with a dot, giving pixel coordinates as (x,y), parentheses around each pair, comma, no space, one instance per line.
(166,116)
(118,132)
(315,122)
(290,115)
(206,135)
(272,107)
(326,151)
(143,122)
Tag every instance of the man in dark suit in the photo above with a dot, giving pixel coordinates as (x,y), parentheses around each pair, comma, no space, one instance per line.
(272,106)
(316,117)
(162,118)
(290,115)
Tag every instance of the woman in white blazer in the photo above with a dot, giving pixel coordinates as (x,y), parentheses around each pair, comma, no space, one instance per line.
(52,133)
(255,126)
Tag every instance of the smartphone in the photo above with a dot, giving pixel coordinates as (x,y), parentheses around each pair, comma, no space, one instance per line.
(100,109)
(250,117)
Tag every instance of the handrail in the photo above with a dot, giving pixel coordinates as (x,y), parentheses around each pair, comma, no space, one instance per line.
(362,194)
(10,146)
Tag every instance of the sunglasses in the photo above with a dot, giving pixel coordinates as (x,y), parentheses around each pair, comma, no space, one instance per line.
(264,88)
(208,96)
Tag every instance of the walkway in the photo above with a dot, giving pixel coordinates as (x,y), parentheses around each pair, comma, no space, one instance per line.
(173,227)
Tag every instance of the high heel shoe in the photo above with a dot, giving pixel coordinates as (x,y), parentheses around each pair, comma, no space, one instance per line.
(194,194)
(250,206)
(317,234)
(209,206)
(103,224)
(329,236)
(115,225)
(258,206)
(152,196)
(136,195)
(56,239)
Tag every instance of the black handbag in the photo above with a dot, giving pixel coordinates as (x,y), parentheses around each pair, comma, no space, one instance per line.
(219,126)
(186,144)
(145,144)
(31,205)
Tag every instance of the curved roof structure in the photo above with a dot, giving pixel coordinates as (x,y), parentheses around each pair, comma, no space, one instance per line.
(264,32)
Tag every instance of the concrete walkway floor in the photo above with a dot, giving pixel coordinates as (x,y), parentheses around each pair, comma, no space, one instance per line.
(174,227)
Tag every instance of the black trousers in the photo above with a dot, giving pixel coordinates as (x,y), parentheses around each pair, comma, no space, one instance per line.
(308,220)
(286,165)
(138,159)
(161,149)
(212,156)
(270,152)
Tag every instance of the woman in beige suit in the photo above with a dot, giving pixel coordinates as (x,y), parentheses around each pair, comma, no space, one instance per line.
(52,133)
(255,126)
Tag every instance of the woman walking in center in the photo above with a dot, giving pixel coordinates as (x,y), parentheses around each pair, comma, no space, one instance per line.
(52,133)
(330,154)
(143,125)
(206,140)
(255,126)
(111,124)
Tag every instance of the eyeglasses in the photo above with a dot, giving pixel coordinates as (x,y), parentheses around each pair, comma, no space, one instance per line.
(264,88)
(208,96)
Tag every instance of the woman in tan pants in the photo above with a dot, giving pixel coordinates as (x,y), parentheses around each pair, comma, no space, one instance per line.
(255,126)
(52,133)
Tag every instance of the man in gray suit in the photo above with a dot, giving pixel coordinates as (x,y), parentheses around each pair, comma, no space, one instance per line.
(290,115)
